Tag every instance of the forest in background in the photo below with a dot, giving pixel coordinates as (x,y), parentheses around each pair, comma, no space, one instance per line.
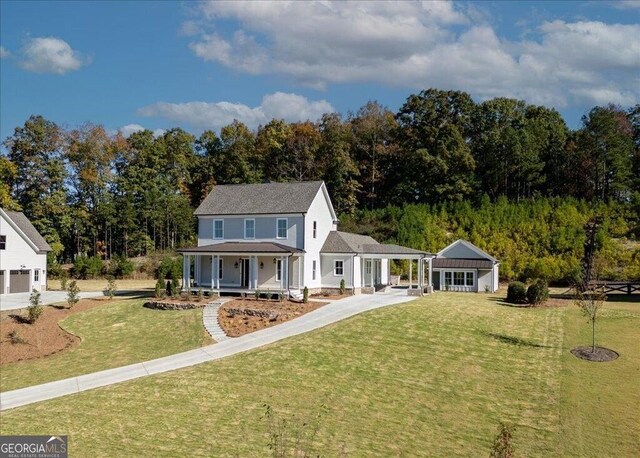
(510,177)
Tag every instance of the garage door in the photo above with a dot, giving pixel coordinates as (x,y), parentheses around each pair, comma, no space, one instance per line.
(1,281)
(19,281)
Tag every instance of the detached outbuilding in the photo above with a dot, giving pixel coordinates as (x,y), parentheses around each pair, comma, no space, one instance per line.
(462,266)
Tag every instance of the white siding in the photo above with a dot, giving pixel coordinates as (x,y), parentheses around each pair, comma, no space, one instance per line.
(484,281)
(19,253)
(462,252)
(357,271)
(320,212)
(496,278)
(265,229)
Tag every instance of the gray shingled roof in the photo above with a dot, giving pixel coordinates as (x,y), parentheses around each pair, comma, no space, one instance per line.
(346,242)
(25,226)
(457,263)
(242,247)
(260,198)
(387,248)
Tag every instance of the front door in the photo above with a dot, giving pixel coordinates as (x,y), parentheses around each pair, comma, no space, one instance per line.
(244,274)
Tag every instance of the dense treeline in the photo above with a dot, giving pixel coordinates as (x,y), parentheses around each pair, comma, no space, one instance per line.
(95,193)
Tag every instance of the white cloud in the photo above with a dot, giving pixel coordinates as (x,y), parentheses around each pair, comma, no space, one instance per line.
(4,52)
(129,129)
(421,45)
(626,4)
(50,55)
(214,115)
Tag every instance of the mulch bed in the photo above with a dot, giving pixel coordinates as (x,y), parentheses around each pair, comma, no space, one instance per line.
(331,297)
(600,355)
(242,316)
(43,338)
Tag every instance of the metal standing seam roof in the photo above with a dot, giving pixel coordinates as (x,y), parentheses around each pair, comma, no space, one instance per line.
(242,247)
(457,263)
(259,198)
(27,228)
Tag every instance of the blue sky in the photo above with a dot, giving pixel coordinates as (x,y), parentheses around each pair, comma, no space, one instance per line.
(195,65)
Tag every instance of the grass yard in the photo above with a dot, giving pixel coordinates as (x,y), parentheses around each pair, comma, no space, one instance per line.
(101,283)
(114,334)
(433,377)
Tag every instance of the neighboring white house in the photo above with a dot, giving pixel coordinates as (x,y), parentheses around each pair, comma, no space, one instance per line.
(462,266)
(283,237)
(23,255)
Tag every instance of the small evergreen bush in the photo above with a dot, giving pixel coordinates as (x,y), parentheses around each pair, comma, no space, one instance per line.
(305,295)
(34,310)
(516,293)
(538,292)
(111,288)
(342,287)
(73,294)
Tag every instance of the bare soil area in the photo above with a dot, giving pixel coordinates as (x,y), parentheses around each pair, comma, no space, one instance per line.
(600,354)
(43,338)
(242,316)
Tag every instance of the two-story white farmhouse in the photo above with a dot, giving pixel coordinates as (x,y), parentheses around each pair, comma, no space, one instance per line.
(283,237)
(23,255)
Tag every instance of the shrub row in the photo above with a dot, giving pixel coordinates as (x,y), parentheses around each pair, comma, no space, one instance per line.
(535,294)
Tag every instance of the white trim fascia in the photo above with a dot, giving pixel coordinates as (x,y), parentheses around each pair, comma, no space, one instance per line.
(19,231)
(325,192)
(469,245)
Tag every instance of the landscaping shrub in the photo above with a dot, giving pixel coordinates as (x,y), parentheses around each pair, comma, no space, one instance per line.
(256,294)
(517,292)
(159,291)
(111,288)
(173,288)
(34,310)
(64,277)
(54,270)
(200,295)
(73,294)
(342,287)
(538,292)
(15,338)
(305,295)
(169,268)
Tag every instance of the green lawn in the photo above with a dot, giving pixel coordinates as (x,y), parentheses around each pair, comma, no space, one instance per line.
(433,377)
(114,334)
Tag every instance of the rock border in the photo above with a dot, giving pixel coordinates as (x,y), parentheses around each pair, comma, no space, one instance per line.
(163,305)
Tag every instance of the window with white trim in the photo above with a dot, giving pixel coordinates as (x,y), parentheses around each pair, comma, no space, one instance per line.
(220,264)
(315,229)
(313,270)
(218,228)
(249,228)
(36,275)
(338,268)
(3,242)
(279,270)
(281,228)
(470,279)
(459,278)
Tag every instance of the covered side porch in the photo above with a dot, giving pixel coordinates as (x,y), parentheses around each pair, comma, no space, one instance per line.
(376,268)
(243,267)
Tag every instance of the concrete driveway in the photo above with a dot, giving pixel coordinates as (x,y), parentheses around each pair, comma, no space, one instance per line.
(21,300)
(330,313)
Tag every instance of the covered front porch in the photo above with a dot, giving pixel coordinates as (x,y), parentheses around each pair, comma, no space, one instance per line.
(243,267)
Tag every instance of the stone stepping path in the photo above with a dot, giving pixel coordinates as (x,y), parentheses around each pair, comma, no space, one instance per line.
(210,320)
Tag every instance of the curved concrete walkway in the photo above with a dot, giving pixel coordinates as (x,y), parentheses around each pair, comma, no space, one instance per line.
(330,313)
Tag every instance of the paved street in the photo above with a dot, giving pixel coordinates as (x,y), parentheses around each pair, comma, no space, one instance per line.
(21,300)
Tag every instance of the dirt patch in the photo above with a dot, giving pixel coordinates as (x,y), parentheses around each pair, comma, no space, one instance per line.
(330,297)
(600,354)
(242,316)
(43,338)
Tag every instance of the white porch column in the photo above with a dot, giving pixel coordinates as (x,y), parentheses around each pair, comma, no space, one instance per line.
(186,271)
(430,272)
(255,272)
(213,271)
(218,258)
(281,272)
(420,273)
(286,273)
(372,265)
(410,272)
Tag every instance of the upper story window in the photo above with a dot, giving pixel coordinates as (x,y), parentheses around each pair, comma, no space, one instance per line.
(218,228)
(249,228)
(281,228)
(315,229)
(3,242)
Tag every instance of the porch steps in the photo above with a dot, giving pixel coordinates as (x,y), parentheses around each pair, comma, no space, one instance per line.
(210,319)
(296,294)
